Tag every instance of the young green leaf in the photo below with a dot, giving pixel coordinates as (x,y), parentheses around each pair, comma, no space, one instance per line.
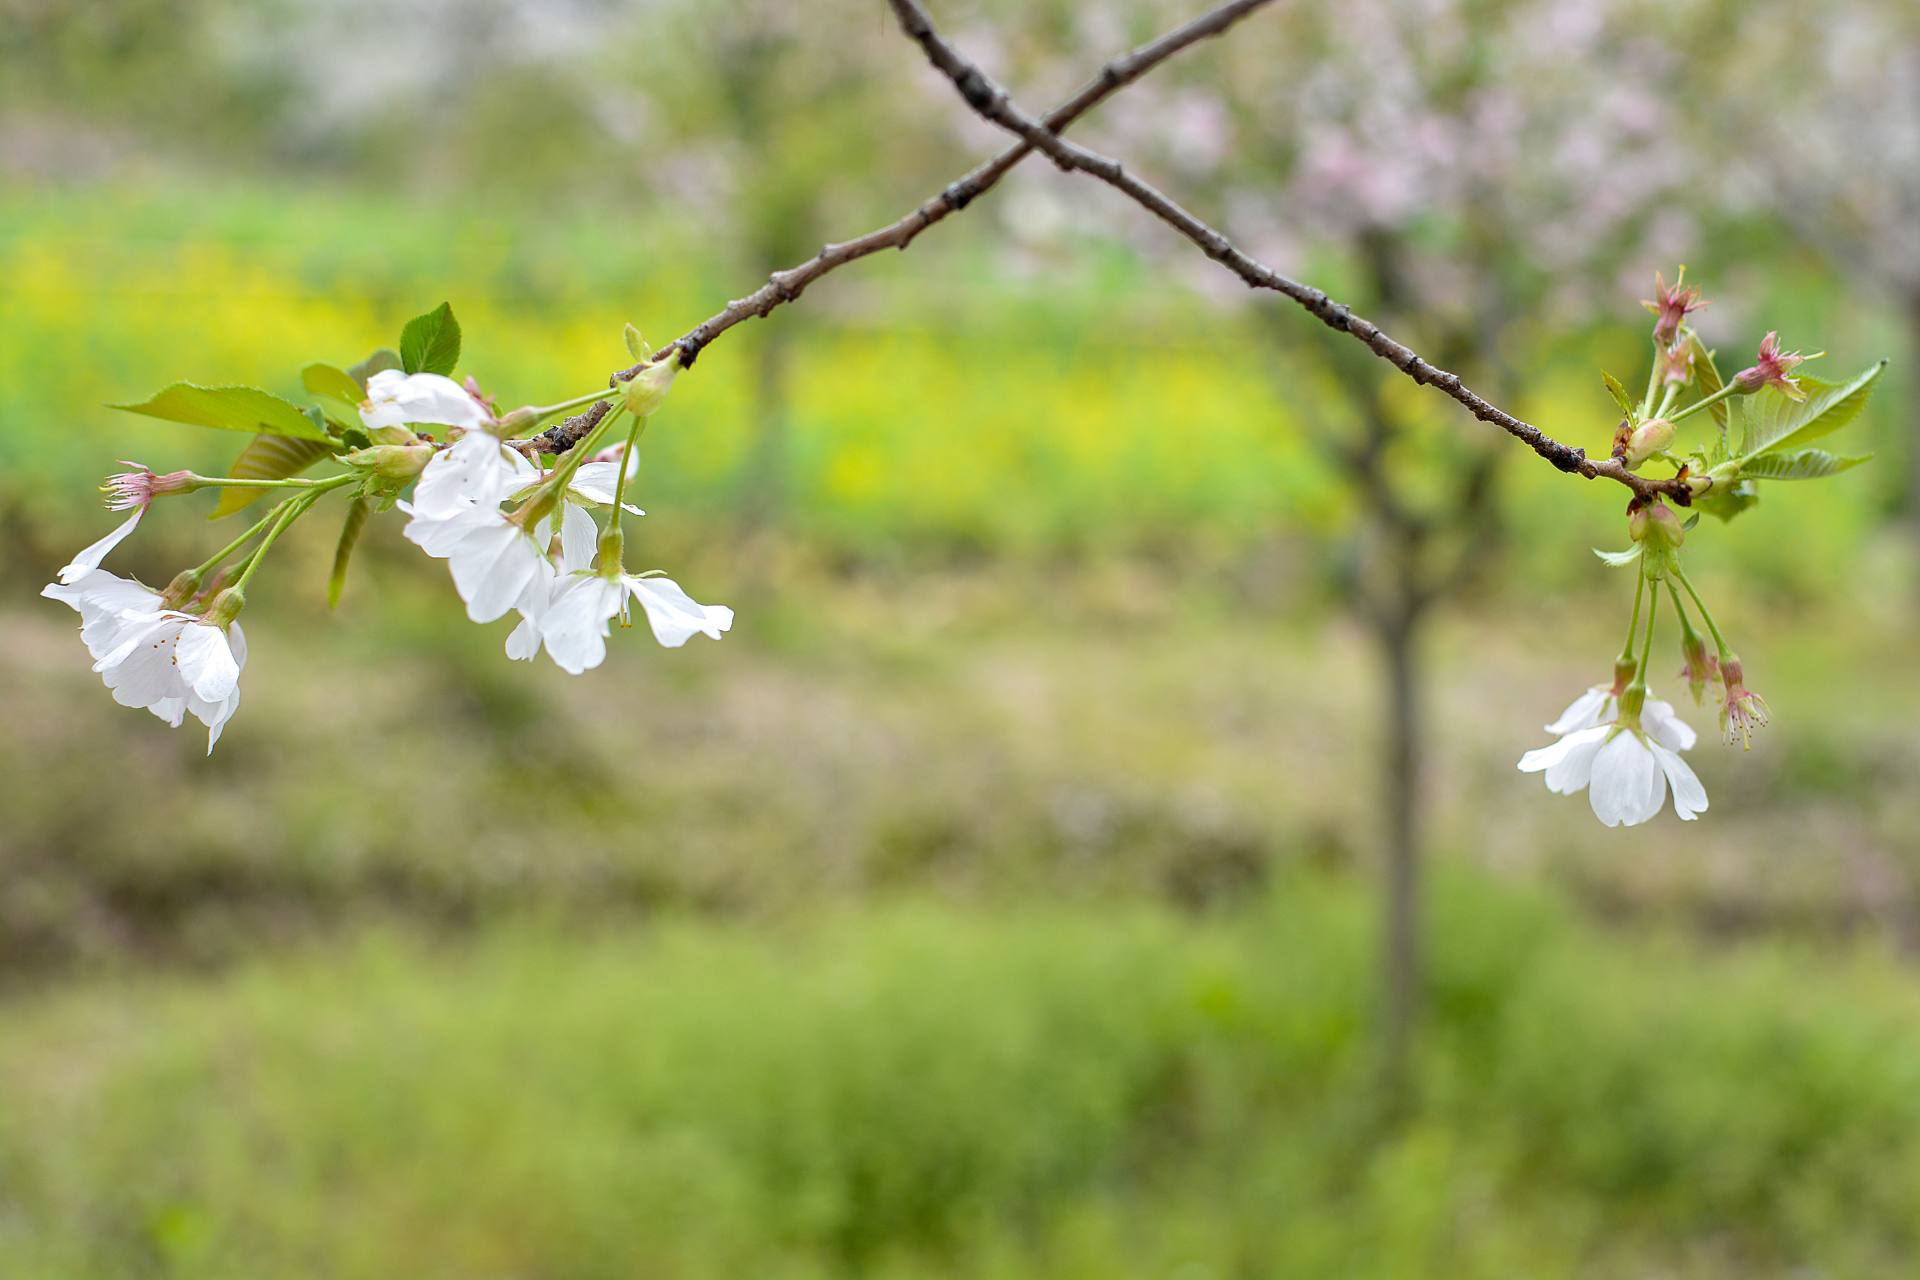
(1619,393)
(379,362)
(1775,423)
(337,393)
(1801,464)
(1727,501)
(228,409)
(1706,379)
(343,550)
(267,458)
(636,345)
(431,343)
(1619,559)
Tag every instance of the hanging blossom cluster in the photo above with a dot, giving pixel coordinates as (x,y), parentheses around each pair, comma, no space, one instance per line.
(518,536)
(1617,742)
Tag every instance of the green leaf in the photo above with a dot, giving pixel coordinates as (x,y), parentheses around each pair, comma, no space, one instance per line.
(1619,559)
(379,362)
(636,345)
(431,343)
(267,458)
(1706,379)
(228,409)
(1724,502)
(327,381)
(1618,392)
(1775,422)
(1801,464)
(343,550)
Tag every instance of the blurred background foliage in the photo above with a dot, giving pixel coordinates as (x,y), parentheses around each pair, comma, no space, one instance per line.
(995,899)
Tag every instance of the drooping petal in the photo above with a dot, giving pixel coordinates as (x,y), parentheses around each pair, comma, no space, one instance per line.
(1666,728)
(1585,711)
(575,625)
(1627,786)
(89,560)
(523,644)
(1575,769)
(674,615)
(1689,797)
(206,661)
(579,538)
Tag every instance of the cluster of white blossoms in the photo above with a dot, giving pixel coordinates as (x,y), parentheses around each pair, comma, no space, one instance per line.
(518,539)
(538,557)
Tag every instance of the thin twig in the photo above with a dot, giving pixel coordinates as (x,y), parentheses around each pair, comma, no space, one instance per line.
(993,103)
(786,286)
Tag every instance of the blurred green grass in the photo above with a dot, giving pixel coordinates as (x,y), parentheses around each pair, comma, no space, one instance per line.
(729,960)
(921,1091)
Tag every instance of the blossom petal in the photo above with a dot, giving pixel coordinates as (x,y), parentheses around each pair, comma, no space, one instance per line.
(579,538)
(395,398)
(1585,711)
(89,560)
(206,662)
(1627,787)
(1575,769)
(674,615)
(1666,728)
(575,625)
(1689,797)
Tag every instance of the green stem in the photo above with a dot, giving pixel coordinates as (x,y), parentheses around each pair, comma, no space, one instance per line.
(1653,383)
(1728,390)
(616,535)
(1646,651)
(290,510)
(1633,624)
(545,411)
(1706,614)
(213,562)
(1687,634)
(294,482)
(1666,401)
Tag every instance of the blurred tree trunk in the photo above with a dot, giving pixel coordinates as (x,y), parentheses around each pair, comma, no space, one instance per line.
(1402,973)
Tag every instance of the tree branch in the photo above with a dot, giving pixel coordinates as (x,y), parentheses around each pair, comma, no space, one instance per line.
(993,103)
(786,286)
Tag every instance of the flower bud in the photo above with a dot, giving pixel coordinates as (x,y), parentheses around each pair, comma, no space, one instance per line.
(1654,524)
(184,586)
(1649,438)
(521,419)
(226,607)
(1699,665)
(646,390)
(1623,669)
(394,461)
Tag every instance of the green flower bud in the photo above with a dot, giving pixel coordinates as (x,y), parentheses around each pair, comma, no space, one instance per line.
(226,607)
(394,461)
(521,419)
(646,390)
(1648,438)
(182,589)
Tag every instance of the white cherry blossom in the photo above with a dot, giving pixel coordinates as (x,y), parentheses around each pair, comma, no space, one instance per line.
(1625,769)
(575,625)
(396,399)
(173,663)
